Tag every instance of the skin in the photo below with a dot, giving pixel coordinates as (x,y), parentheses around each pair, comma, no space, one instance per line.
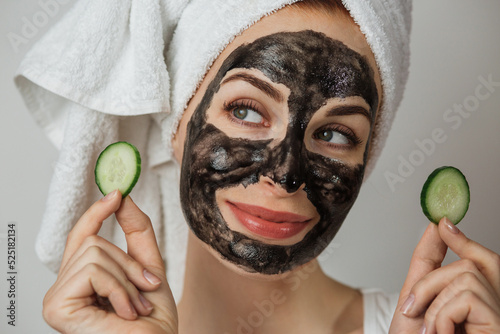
(218,292)
(332,73)
(308,300)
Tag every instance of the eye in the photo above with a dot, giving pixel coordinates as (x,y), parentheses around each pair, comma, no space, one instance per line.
(337,136)
(332,136)
(247,115)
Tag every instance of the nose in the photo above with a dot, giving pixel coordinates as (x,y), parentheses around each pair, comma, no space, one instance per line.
(282,189)
(291,183)
(288,171)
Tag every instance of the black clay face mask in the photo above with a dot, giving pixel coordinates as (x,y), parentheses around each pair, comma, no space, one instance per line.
(315,68)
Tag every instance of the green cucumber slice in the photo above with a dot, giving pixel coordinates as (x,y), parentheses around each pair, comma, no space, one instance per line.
(118,167)
(445,193)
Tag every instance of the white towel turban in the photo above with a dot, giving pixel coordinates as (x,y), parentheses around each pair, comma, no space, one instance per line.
(105,60)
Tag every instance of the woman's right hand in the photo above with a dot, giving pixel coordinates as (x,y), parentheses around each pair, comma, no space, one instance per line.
(102,289)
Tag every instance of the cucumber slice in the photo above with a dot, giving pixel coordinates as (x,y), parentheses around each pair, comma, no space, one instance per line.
(445,193)
(118,167)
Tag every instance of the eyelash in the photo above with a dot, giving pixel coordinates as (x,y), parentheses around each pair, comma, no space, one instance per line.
(246,104)
(348,133)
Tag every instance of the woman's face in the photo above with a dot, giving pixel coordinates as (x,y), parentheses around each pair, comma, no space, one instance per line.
(274,144)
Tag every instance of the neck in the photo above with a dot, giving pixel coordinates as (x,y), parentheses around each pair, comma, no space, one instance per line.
(220,299)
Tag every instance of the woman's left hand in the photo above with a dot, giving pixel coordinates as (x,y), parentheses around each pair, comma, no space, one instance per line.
(462,297)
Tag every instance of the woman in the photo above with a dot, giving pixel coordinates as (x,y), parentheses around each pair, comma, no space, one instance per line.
(279,133)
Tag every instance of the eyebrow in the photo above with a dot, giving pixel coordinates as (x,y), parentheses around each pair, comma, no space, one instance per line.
(265,87)
(350,110)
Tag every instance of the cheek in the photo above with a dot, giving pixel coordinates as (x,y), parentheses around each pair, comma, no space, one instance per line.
(218,161)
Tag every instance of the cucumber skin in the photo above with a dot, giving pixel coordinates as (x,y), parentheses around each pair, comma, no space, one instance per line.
(137,174)
(425,187)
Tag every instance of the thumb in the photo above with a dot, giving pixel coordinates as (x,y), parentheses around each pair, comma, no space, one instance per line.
(427,256)
(140,237)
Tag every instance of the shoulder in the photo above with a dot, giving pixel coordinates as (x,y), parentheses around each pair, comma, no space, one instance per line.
(357,331)
(349,317)
(378,310)
(362,311)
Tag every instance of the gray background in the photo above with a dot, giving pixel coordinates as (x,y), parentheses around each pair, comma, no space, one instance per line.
(454,42)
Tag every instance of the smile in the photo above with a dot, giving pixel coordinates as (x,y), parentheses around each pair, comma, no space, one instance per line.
(268,223)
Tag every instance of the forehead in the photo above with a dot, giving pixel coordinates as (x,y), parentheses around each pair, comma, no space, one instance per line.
(290,19)
(312,65)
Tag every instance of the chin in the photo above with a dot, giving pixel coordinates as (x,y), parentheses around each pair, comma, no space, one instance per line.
(242,270)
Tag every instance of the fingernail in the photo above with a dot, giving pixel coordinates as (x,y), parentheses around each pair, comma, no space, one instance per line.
(109,196)
(408,304)
(423,330)
(151,278)
(147,305)
(451,227)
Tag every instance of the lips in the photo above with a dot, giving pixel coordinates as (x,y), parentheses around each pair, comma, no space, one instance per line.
(268,223)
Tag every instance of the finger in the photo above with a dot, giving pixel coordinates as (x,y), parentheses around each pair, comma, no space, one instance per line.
(134,271)
(139,234)
(90,223)
(444,283)
(427,256)
(465,283)
(97,256)
(487,261)
(79,294)
(467,308)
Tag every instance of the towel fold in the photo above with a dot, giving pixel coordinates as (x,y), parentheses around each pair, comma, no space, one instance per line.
(125,70)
